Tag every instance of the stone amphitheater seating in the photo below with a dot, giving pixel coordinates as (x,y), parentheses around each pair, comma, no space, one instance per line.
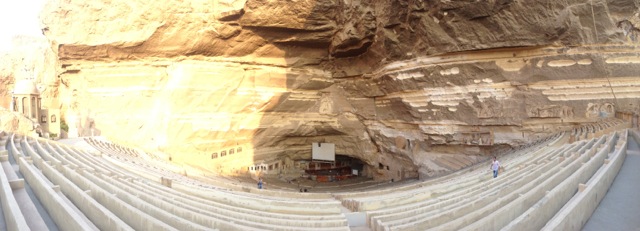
(146,170)
(551,184)
(576,211)
(457,200)
(86,192)
(477,190)
(523,199)
(364,201)
(9,182)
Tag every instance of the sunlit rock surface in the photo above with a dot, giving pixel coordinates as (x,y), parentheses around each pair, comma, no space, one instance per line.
(29,58)
(421,87)
(13,121)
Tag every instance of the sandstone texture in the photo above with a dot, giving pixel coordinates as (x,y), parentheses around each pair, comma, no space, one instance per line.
(421,87)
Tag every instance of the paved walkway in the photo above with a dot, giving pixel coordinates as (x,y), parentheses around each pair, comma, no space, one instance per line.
(620,208)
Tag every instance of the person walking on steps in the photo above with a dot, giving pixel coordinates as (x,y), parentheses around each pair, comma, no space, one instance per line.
(260,183)
(495,166)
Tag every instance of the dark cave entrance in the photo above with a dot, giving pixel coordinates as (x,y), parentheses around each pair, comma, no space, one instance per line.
(344,167)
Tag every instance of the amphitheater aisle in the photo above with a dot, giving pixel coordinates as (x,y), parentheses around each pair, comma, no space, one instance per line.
(620,207)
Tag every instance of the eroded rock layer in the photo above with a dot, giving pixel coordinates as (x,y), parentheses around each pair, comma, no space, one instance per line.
(408,87)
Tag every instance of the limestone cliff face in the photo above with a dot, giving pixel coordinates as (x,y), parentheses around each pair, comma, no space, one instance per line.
(422,87)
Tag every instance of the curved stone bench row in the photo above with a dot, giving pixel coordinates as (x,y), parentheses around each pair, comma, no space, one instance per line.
(577,210)
(397,214)
(215,206)
(62,212)
(455,162)
(412,195)
(82,198)
(130,165)
(60,157)
(110,147)
(373,186)
(127,193)
(86,157)
(454,177)
(112,184)
(197,176)
(155,175)
(169,202)
(87,196)
(13,217)
(211,180)
(538,214)
(504,189)
(415,195)
(104,184)
(599,128)
(147,171)
(29,208)
(551,194)
(390,212)
(328,220)
(463,215)
(506,208)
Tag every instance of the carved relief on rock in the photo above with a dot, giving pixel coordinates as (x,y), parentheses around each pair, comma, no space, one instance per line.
(550,111)
(600,110)
(567,112)
(607,110)
(326,105)
(629,30)
(475,138)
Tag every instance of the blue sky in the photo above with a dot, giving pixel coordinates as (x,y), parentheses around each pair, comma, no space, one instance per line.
(19,17)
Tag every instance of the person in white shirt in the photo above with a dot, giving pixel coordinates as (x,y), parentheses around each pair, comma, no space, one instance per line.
(495,166)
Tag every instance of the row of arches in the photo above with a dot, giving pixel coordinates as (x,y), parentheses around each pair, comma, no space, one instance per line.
(28,106)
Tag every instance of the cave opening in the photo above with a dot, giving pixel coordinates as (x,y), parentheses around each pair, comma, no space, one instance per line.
(344,167)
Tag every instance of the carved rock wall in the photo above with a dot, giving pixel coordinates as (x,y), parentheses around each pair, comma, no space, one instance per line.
(423,87)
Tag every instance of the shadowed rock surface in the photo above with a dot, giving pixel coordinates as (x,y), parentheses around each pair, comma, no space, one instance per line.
(422,87)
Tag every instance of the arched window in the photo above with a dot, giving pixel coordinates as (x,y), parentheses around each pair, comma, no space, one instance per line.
(223,153)
(214,155)
(23,105)
(231,151)
(53,118)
